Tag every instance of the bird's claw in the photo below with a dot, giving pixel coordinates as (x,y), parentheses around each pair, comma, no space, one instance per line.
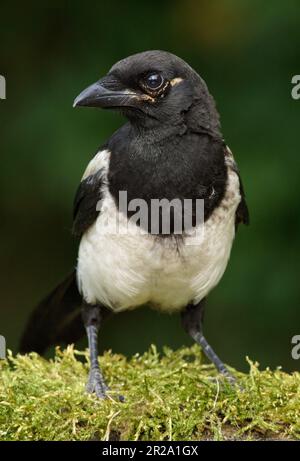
(96,384)
(232,381)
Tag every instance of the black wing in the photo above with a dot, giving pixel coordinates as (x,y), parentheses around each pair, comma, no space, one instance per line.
(86,203)
(242,211)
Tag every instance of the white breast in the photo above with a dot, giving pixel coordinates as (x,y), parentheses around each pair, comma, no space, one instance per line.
(124,270)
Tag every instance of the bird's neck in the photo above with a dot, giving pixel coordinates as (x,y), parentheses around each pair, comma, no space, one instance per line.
(199,118)
(162,163)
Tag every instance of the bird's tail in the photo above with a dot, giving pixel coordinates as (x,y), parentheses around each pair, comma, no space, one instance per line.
(56,319)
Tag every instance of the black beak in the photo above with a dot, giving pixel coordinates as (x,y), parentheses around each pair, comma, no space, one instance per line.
(97,95)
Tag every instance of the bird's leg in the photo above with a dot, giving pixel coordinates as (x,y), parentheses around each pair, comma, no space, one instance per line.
(92,318)
(192,321)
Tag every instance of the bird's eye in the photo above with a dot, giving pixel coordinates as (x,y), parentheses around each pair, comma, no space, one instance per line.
(154,81)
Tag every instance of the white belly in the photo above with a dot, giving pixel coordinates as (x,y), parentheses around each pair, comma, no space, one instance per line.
(124,271)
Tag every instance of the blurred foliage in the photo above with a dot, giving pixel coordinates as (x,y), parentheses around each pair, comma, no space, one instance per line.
(247,52)
(172,396)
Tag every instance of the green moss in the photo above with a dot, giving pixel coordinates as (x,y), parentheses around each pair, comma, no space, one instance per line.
(170,397)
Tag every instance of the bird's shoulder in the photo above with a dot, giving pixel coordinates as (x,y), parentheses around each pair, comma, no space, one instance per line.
(89,193)
(86,206)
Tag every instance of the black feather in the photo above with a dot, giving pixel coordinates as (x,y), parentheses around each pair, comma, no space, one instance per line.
(185,165)
(85,210)
(56,319)
(242,212)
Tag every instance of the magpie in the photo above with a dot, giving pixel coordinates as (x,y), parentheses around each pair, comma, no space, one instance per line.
(170,149)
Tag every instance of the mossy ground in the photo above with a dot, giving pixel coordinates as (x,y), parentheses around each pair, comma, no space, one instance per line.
(173,396)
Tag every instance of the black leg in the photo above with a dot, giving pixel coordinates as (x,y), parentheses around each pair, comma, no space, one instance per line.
(192,321)
(92,318)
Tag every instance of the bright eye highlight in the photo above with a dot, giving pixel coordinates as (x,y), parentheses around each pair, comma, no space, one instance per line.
(154,81)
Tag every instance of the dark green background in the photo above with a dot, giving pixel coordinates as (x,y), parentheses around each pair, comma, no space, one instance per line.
(247,51)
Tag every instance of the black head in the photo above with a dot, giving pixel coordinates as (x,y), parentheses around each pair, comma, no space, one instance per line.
(155,88)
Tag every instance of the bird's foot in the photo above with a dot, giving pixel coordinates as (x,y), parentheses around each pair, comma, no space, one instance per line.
(96,384)
(228,376)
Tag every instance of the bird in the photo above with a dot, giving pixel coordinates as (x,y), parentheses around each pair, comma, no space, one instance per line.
(170,152)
